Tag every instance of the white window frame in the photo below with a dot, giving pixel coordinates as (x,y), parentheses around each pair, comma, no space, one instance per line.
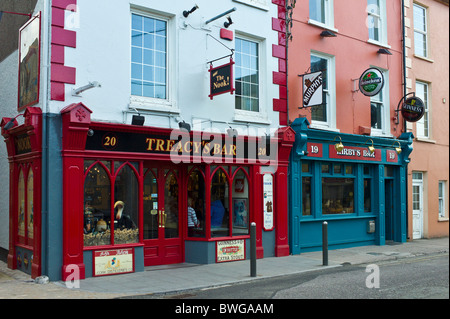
(441,195)
(261,115)
(329,16)
(382,18)
(425,33)
(330,123)
(423,125)
(385,111)
(168,104)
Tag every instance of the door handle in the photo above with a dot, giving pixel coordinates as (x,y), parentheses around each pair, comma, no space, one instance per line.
(164,216)
(159,218)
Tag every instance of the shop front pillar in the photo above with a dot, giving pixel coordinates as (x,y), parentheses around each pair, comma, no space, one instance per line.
(286,137)
(75,120)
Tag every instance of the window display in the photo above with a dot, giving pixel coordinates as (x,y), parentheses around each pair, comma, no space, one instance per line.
(337,195)
(219,204)
(196,203)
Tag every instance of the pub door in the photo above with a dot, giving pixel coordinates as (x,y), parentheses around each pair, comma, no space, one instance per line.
(163,242)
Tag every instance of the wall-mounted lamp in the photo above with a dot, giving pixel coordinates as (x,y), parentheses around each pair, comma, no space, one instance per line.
(221,15)
(232,132)
(10,124)
(384,51)
(138,119)
(398,149)
(338,146)
(76,92)
(185,126)
(327,34)
(226,24)
(370,147)
(186,13)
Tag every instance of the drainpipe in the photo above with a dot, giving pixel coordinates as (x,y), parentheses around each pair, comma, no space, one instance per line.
(404,94)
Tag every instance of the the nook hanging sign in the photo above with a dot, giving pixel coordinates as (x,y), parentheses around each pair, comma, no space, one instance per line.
(221,79)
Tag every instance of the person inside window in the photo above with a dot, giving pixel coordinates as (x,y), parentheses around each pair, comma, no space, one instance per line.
(121,220)
(192,218)
(217,211)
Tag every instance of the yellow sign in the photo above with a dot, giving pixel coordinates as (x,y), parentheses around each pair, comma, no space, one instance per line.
(111,262)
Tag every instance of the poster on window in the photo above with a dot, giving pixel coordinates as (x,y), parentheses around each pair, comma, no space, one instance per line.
(268,201)
(29,63)
(312,89)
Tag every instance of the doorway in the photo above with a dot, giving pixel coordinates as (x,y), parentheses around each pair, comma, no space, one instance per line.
(162,203)
(417,203)
(389,204)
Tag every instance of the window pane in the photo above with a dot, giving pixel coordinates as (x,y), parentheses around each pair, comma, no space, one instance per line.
(337,195)
(367,195)
(219,204)
(375,115)
(21,205)
(196,205)
(126,207)
(97,207)
(319,113)
(317,10)
(247,75)
(306,196)
(148,57)
(150,206)
(171,195)
(241,210)
(30,203)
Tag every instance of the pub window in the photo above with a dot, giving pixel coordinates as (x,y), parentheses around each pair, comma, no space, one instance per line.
(21,205)
(151,222)
(196,203)
(367,173)
(97,205)
(171,212)
(337,191)
(126,206)
(240,196)
(219,203)
(306,190)
(30,203)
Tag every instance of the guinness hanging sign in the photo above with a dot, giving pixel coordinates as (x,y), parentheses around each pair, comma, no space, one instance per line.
(371,82)
(413,109)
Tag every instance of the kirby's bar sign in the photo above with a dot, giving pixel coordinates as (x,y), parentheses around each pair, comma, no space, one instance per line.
(351,153)
(221,79)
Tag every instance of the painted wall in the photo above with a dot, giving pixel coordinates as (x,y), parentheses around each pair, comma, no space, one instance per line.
(100,50)
(431,155)
(353,54)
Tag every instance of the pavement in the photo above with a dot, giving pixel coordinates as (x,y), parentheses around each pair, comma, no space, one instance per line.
(160,280)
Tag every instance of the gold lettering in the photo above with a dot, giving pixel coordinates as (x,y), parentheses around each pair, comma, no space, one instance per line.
(170,144)
(197,147)
(232,150)
(216,149)
(150,141)
(207,148)
(185,147)
(224,150)
(159,145)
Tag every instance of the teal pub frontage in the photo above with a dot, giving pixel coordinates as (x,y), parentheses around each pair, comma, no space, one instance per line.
(356,183)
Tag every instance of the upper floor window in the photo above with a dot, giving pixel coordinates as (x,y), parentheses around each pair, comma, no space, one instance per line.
(379,109)
(321,11)
(422,126)
(324,114)
(442,195)
(148,57)
(420,30)
(247,75)
(376,20)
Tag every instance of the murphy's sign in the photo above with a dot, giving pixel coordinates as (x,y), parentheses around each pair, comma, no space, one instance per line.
(312,89)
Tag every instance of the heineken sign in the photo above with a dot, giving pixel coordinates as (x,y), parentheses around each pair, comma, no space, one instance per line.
(371,82)
(413,109)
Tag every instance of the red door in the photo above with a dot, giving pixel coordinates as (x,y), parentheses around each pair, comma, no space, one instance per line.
(162,221)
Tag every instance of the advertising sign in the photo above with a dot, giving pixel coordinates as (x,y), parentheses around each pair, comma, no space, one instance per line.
(221,79)
(312,89)
(413,109)
(230,250)
(111,262)
(29,63)
(371,82)
(268,201)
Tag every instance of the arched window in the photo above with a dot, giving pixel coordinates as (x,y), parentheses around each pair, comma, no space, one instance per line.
(220,203)
(97,205)
(241,211)
(126,206)
(196,203)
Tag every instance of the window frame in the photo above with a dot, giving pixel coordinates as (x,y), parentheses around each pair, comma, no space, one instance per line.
(417,6)
(385,111)
(442,191)
(328,17)
(330,123)
(382,18)
(149,103)
(424,132)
